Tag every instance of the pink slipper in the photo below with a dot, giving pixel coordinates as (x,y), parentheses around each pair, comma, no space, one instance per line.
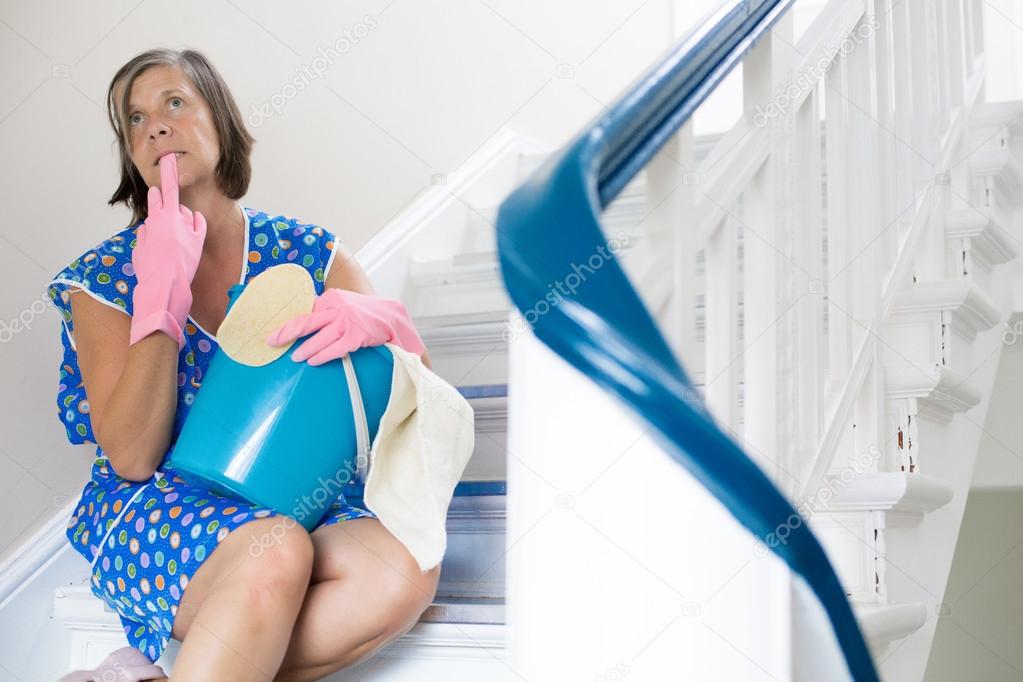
(127,664)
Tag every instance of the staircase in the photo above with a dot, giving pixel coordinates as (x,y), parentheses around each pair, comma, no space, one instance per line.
(842,267)
(836,283)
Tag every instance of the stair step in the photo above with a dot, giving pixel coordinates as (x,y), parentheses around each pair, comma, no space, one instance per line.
(999,165)
(354,491)
(995,130)
(485,391)
(473,567)
(971,308)
(904,497)
(454,639)
(989,243)
(441,294)
(472,353)
(480,233)
(468,288)
(939,392)
(465,610)
(883,624)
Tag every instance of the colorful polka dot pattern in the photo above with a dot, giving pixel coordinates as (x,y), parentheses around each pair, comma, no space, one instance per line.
(164,535)
(106,271)
(148,556)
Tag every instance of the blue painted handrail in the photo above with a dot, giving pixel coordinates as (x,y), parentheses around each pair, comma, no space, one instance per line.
(551,222)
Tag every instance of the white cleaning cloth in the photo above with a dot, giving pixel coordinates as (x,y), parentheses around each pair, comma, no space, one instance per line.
(421,448)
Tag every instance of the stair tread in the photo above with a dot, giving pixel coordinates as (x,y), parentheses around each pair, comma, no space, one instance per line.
(905,496)
(484,391)
(465,610)
(884,623)
(443,609)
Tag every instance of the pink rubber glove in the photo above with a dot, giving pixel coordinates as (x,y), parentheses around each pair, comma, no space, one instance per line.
(167,250)
(345,321)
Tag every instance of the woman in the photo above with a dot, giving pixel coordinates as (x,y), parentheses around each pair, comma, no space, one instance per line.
(249,594)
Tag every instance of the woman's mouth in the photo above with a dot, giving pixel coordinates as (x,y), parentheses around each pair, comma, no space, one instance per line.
(177,154)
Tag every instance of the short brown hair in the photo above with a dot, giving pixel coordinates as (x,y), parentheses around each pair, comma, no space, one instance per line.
(234,170)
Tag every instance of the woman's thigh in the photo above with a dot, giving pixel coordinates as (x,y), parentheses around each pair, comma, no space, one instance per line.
(364,549)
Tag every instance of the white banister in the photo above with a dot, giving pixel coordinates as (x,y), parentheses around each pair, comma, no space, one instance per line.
(800,281)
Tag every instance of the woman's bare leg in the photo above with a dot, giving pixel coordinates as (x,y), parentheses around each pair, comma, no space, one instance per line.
(366,592)
(237,613)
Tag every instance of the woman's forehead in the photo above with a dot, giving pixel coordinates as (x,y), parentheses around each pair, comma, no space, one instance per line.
(158,81)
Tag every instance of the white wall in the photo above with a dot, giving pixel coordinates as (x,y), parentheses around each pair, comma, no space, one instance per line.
(412,98)
(1000,458)
(1003,38)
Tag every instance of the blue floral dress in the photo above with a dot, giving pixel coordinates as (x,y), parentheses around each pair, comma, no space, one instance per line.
(144,540)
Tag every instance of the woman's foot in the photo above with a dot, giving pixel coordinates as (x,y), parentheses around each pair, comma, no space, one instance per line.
(127,664)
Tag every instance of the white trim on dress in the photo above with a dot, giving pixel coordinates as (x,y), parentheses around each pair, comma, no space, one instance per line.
(81,287)
(114,524)
(330,260)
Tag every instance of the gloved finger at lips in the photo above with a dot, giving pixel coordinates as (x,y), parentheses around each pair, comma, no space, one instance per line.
(169,181)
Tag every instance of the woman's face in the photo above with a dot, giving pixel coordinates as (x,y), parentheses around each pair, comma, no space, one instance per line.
(166,113)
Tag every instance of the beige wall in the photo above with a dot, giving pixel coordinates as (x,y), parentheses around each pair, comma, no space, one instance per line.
(980,629)
(413,95)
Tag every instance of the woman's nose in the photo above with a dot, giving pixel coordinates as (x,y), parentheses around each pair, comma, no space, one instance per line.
(157,127)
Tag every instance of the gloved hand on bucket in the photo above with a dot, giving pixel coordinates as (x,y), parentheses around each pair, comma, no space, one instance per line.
(345,321)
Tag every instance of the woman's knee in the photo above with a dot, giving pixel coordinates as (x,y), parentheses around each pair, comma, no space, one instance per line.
(407,597)
(269,558)
(277,559)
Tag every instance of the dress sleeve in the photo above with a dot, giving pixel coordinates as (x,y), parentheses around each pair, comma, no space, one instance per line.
(106,274)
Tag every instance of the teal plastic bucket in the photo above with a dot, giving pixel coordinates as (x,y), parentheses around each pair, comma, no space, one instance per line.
(286,435)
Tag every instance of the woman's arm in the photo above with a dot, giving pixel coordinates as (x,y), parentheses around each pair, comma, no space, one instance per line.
(346,273)
(132,390)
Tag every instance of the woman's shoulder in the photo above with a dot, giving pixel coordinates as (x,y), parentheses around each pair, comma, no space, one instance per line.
(289,228)
(283,238)
(105,269)
(109,252)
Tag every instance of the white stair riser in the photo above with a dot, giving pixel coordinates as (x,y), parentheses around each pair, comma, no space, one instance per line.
(851,542)
(474,564)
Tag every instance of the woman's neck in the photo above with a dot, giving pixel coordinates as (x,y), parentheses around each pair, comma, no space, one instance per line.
(225,223)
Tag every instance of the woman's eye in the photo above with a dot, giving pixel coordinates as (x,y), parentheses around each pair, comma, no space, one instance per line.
(132,120)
